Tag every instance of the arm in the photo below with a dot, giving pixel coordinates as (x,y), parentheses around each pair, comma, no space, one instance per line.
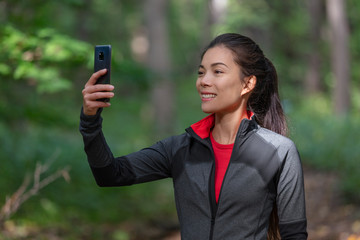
(291,198)
(145,165)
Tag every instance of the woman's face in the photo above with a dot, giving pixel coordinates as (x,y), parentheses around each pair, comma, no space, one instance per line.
(219,83)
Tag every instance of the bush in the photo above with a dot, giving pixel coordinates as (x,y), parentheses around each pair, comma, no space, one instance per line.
(328,142)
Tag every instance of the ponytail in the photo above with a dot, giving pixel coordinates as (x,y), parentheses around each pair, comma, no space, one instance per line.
(265,103)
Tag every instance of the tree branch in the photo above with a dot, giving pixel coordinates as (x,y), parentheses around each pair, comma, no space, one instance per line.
(13,203)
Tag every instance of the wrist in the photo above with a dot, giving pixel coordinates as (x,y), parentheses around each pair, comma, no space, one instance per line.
(86,115)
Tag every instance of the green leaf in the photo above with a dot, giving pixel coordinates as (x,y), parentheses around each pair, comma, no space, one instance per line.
(4,69)
(25,70)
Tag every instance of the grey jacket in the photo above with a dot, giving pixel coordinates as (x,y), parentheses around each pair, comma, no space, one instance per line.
(264,170)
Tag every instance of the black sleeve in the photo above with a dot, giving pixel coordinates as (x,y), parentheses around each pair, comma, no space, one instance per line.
(291,198)
(95,146)
(145,165)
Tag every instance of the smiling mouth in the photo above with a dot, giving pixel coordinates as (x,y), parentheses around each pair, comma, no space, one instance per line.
(208,96)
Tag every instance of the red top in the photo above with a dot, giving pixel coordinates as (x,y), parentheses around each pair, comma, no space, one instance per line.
(222,154)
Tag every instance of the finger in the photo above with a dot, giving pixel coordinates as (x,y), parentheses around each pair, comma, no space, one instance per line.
(97,95)
(100,95)
(104,87)
(98,88)
(95,76)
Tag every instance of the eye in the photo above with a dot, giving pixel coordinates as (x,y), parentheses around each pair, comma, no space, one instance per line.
(218,72)
(200,73)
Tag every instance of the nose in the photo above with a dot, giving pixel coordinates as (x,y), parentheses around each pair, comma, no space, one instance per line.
(205,80)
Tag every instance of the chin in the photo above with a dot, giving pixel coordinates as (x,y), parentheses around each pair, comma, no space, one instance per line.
(207,111)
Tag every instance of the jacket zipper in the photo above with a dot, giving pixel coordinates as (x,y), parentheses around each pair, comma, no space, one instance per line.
(212,228)
(212,200)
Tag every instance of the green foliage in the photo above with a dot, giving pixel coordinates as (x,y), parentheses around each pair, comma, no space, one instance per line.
(245,13)
(35,59)
(327,142)
(185,21)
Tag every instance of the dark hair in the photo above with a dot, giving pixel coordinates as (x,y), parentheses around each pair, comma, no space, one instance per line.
(264,99)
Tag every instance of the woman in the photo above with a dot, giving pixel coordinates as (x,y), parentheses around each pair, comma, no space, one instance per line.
(235,175)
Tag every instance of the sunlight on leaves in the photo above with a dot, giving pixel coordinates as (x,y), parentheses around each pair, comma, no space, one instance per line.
(36,59)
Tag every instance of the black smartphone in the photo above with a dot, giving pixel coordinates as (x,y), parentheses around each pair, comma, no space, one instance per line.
(102,59)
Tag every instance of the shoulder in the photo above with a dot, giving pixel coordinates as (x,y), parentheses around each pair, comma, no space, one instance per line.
(283,145)
(275,139)
(176,139)
(285,152)
(175,143)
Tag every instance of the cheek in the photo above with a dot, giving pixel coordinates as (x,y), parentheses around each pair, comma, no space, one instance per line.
(197,84)
(237,86)
(233,91)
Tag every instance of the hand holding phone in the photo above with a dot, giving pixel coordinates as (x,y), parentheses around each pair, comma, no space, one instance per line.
(98,90)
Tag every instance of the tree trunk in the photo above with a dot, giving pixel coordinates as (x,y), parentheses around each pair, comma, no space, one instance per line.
(340,58)
(313,76)
(83,15)
(159,63)
(208,21)
(3,12)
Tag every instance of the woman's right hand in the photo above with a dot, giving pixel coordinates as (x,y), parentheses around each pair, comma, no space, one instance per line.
(93,91)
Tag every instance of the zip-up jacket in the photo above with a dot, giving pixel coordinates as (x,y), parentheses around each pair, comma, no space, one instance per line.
(264,170)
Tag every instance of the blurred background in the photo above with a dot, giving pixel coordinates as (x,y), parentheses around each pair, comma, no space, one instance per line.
(46,56)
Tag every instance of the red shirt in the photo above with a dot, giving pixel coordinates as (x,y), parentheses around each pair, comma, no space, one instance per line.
(222,154)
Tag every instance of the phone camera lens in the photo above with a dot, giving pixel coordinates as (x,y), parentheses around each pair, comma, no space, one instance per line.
(101,55)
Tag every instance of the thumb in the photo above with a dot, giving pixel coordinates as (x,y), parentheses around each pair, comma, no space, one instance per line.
(95,76)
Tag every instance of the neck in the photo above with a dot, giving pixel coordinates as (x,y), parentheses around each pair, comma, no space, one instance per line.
(227,125)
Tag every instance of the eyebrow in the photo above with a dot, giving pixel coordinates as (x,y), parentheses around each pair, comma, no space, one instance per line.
(214,64)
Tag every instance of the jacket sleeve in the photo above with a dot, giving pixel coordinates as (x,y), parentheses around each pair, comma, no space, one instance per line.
(291,198)
(145,165)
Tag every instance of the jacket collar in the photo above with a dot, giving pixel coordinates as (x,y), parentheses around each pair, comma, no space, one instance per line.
(204,126)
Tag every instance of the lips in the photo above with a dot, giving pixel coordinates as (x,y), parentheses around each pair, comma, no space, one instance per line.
(207,96)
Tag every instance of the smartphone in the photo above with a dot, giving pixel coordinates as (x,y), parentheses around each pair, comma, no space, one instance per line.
(102,59)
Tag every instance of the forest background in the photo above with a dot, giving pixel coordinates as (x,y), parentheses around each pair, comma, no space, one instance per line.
(46,56)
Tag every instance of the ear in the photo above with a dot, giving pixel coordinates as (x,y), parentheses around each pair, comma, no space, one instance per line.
(250,83)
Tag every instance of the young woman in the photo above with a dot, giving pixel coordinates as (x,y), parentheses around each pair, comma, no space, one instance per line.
(235,174)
